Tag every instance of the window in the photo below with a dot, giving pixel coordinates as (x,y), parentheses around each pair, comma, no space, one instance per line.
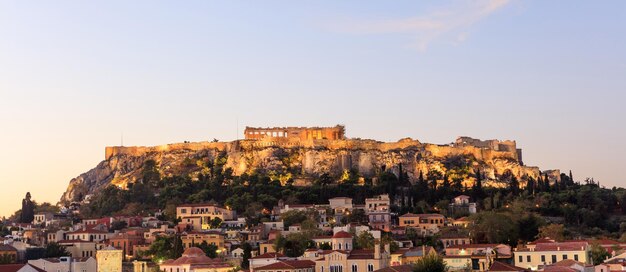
(370,267)
(553,258)
(528,258)
(564,256)
(520,259)
(576,257)
(543,258)
(354,268)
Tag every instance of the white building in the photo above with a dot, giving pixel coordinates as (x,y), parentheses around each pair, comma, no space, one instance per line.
(66,264)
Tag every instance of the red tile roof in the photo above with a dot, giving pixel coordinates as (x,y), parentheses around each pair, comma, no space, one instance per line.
(288,264)
(399,268)
(196,257)
(342,234)
(7,248)
(563,246)
(504,267)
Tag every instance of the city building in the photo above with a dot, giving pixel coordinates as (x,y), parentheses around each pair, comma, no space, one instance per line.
(477,257)
(265,259)
(462,205)
(192,238)
(63,264)
(126,242)
(404,256)
(200,216)
(545,252)
(354,260)
(426,224)
(110,259)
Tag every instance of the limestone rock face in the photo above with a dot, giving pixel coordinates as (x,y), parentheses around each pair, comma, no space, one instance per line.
(302,161)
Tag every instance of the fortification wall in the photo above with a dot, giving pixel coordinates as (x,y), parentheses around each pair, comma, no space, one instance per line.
(439,151)
(442,151)
(111,151)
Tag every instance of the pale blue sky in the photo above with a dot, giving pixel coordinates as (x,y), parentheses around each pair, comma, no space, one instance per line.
(75,74)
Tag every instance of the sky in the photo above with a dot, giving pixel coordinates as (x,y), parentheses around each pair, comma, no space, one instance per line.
(77,75)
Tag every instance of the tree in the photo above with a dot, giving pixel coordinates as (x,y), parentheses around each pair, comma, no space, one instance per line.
(177,247)
(28,210)
(216,222)
(292,245)
(356,216)
(7,258)
(150,173)
(54,250)
(247,254)
(293,217)
(430,263)
(528,226)
(209,250)
(325,246)
(553,231)
(495,228)
(364,240)
(118,225)
(161,249)
(412,234)
(598,253)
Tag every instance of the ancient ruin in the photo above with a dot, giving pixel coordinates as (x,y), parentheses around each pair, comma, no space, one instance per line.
(296,133)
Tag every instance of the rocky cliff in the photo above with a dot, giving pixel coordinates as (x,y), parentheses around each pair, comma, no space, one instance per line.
(302,162)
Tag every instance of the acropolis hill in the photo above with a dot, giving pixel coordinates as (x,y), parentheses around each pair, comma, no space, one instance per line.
(302,154)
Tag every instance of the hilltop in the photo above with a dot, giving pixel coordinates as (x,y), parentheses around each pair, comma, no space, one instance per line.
(302,156)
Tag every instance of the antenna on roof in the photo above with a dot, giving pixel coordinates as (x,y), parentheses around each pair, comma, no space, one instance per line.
(122,139)
(237,135)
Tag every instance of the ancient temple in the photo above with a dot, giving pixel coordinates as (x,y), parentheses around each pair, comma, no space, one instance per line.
(296,133)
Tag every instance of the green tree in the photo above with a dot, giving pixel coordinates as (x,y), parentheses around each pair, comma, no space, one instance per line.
(161,249)
(364,240)
(528,226)
(494,227)
(209,250)
(598,253)
(216,223)
(294,217)
(247,254)
(54,250)
(553,231)
(7,259)
(118,225)
(150,173)
(177,247)
(430,263)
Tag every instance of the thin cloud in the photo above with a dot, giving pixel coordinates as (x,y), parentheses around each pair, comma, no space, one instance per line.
(452,22)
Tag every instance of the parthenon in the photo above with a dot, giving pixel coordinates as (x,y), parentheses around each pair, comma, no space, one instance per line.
(296,133)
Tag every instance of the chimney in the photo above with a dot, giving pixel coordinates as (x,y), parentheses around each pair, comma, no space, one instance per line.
(376,251)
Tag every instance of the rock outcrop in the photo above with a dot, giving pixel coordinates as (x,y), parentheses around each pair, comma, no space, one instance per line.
(304,161)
